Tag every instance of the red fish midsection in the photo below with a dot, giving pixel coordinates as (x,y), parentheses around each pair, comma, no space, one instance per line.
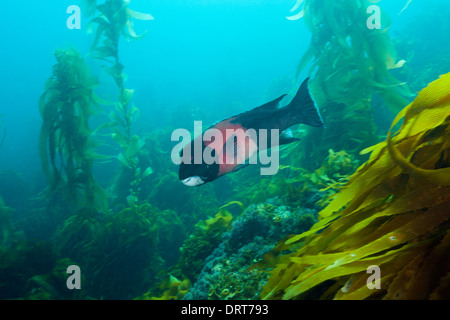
(236,147)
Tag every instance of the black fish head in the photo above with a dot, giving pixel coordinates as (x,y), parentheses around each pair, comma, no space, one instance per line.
(192,174)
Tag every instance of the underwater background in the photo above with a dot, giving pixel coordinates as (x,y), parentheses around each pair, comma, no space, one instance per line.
(86,176)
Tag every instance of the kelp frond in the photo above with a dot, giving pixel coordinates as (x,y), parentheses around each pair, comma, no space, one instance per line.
(393,214)
(115,19)
(350,63)
(66,147)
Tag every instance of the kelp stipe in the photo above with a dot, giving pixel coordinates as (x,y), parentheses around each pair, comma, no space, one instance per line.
(66,147)
(392,214)
(116,19)
(349,63)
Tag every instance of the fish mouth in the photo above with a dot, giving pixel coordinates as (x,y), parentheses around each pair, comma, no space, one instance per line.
(193,181)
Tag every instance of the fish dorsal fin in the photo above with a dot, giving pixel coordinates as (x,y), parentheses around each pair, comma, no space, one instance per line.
(271,105)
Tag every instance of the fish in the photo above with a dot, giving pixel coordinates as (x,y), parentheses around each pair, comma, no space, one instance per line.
(245,146)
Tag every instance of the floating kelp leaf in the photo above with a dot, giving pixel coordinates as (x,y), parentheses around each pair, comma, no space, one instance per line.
(123,160)
(131,14)
(119,137)
(132,200)
(139,15)
(126,96)
(222,220)
(133,112)
(294,8)
(102,26)
(405,7)
(102,101)
(147,172)
(397,65)
(240,204)
(117,119)
(134,145)
(296,16)
(131,33)
(104,52)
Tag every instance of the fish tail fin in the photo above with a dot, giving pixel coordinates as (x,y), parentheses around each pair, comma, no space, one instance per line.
(304,109)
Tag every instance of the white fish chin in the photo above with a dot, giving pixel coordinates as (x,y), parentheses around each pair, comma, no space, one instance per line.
(193,181)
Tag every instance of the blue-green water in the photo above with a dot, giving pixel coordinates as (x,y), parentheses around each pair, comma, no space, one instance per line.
(199,61)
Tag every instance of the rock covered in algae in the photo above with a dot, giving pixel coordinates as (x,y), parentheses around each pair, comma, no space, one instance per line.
(225,274)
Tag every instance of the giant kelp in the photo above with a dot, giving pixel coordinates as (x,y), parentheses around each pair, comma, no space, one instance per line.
(393,214)
(66,147)
(349,63)
(115,19)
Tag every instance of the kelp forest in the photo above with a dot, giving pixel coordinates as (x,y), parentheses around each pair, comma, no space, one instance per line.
(372,189)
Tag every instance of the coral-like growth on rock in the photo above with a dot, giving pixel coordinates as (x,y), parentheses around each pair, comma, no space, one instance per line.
(226,273)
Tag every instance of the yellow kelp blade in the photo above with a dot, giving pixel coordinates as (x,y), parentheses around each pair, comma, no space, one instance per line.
(430,108)
(393,213)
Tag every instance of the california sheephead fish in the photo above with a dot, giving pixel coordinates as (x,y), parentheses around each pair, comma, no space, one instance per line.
(232,143)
